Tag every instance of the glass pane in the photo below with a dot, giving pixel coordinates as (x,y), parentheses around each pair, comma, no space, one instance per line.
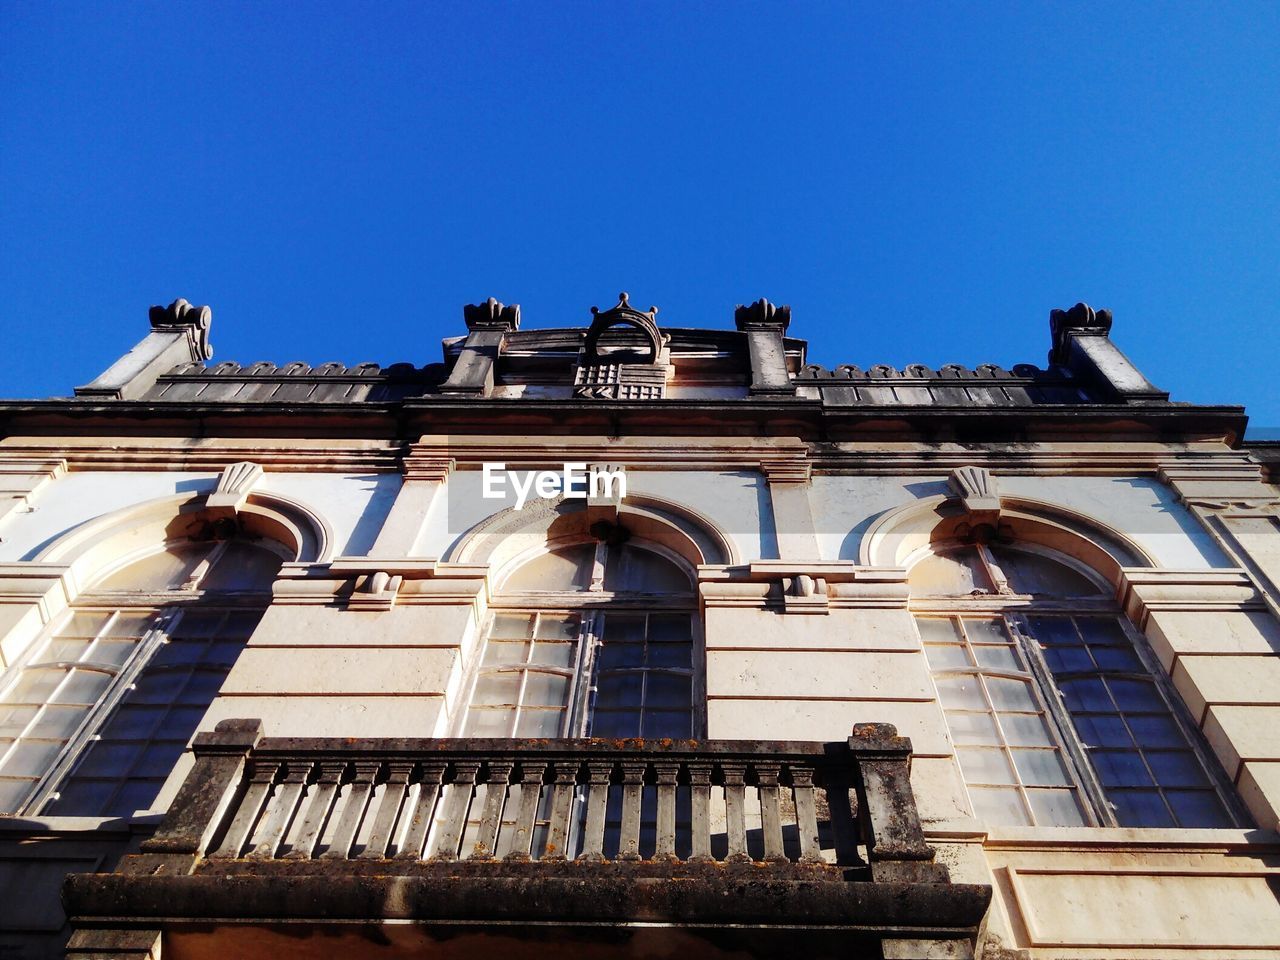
(1008,694)
(31,758)
(35,685)
(1026,730)
(198,623)
(131,625)
(554,653)
(984,765)
(1119,659)
(633,568)
(166,569)
(621,723)
(1198,809)
(676,724)
(667,690)
(942,656)
(546,690)
(58,721)
(1037,575)
(131,721)
(1070,659)
(624,628)
(497,688)
(1041,768)
(1120,768)
(1087,694)
(938,631)
(1053,630)
(64,650)
(508,652)
(565,569)
(960,692)
(678,654)
(1103,731)
(158,686)
(13,792)
(83,686)
(135,795)
(614,653)
(998,658)
(1056,808)
(539,723)
(108,760)
(1137,695)
(13,720)
(1159,730)
(113,652)
(1177,769)
(85,624)
(955,573)
(243,566)
(619,690)
(986,631)
(554,626)
(669,629)
(972,728)
(81,794)
(488,723)
(1103,630)
(999,805)
(1140,808)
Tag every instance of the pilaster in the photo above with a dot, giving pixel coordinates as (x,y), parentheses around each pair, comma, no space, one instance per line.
(488,324)
(765,327)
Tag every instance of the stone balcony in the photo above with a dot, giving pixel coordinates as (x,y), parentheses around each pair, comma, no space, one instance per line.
(287,847)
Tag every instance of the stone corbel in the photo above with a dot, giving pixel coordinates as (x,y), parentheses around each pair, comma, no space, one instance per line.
(235,483)
(375,592)
(976,487)
(604,506)
(805,594)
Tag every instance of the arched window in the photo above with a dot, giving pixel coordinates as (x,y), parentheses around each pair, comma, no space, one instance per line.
(1059,714)
(94,716)
(591,639)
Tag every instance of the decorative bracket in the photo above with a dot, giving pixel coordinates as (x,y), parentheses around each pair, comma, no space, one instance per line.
(804,594)
(234,486)
(375,592)
(181,317)
(976,487)
(604,504)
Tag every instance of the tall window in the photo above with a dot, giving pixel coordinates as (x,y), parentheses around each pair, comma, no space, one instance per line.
(1059,715)
(590,640)
(95,715)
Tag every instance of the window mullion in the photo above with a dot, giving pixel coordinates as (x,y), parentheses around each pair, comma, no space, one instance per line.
(1060,719)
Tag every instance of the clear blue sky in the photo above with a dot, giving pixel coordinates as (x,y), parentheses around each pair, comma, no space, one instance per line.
(921,182)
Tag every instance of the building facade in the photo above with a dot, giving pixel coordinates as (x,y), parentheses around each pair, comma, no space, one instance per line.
(623,639)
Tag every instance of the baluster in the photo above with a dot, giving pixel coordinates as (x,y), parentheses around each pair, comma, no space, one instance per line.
(632,795)
(666,829)
(415,838)
(566,777)
(384,824)
(287,795)
(598,776)
(735,809)
(770,811)
(531,774)
(806,814)
(700,790)
(318,805)
(262,775)
(495,796)
(353,809)
(456,807)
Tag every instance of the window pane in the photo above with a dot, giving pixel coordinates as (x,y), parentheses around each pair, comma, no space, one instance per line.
(506,652)
(669,629)
(986,631)
(633,568)
(667,723)
(619,690)
(85,624)
(498,688)
(488,723)
(624,628)
(31,758)
(998,658)
(13,720)
(976,728)
(565,569)
(938,631)
(546,690)
(166,569)
(243,566)
(613,723)
(130,625)
(539,723)
(1069,659)
(678,654)
(985,765)
(615,653)
(507,626)
(555,653)
(961,692)
(58,721)
(1120,659)
(1102,731)
(1056,808)
(1177,769)
(1102,630)
(943,656)
(35,685)
(1157,731)
(999,806)
(83,686)
(1026,730)
(1041,768)
(1053,630)
(1037,575)
(667,690)
(1137,695)
(1120,768)
(1198,808)
(956,573)
(1008,694)
(1140,808)
(1086,695)
(552,626)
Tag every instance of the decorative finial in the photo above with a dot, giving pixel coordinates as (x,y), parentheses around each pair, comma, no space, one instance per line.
(181,316)
(491,315)
(760,315)
(1081,318)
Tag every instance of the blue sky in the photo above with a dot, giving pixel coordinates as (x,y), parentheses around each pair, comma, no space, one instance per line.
(921,182)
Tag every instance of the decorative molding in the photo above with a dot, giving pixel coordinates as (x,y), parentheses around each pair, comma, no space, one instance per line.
(625,314)
(375,592)
(610,377)
(435,469)
(1080,320)
(786,469)
(235,483)
(762,315)
(978,492)
(177,454)
(181,317)
(492,315)
(804,594)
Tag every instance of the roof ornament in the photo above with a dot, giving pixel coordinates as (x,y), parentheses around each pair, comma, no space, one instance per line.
(760,315)
(181,317)
(491,315)
(625,315)
(617,376)
(1081,318)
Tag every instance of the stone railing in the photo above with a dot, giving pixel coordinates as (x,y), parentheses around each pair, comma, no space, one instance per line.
(765,841)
